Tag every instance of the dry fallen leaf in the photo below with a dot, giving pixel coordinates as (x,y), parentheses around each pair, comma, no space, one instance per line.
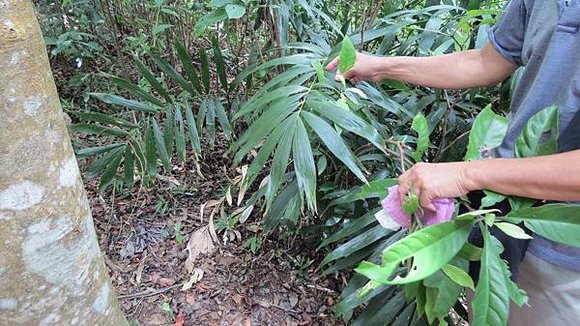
(179,319)
(199,242)
(195,277)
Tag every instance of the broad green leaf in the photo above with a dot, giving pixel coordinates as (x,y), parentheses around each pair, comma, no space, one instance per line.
(160,28)
(334,143)
(491,198)
(431,248)
(470,252)
(487,132)
(421,126)
(121,101)
(160,145)
(540,134)
(235,11)
(205,21)
(512,230)
(491,300)
(150,78)
(557,222)
(517,295)
(304,164)
(458,276)
(347,56)
(187,64)
(441,293)
(373,189)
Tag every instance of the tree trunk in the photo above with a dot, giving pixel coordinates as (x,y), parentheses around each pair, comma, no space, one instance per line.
(51,268)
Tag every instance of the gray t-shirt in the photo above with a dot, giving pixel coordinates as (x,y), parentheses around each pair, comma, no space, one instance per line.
(543,36)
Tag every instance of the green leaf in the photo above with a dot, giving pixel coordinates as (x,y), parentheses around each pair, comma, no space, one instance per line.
(335,144)
(458,276)
(470,252)
(431,248)
(441,294)
(111,171)
(160,28)
(421,126)
(187,64)
(210,120)
(487,132)
(205,74)
(347,56)
(150,152)
(129,167)
(361,241)
(193,134)
(304,164)
(491,300)
(557,222)
(517,295)
(152,80)
(219,63)
(160,145)
(349,121)
(351,228)
(223,119)
(258,102)
(99,165)
(94,129)
(540,134)
(180,135)
(513,230)
(280,160)
(235,11)
(169,130)
(121,101)
(172,73)
(491,198)
(135,90)
(105,119)
(204,22)
(86,152)
(373,189)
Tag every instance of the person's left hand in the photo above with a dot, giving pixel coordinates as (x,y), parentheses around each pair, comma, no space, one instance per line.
(432,180)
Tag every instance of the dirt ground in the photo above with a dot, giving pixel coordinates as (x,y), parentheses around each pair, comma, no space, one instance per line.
(231,286)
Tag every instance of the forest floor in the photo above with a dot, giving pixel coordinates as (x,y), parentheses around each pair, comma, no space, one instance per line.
(145,233)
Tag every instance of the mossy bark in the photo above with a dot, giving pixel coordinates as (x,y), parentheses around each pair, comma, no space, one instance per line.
(51,269)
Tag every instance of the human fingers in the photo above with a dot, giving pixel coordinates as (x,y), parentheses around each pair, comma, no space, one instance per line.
(403,186)
(425,200)
(332,65)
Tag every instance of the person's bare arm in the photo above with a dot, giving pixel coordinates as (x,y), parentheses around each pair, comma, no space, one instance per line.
(459,70)
(551,177)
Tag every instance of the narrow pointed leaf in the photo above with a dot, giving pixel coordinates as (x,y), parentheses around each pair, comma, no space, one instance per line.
(192,127)
(135,90)
(152,80)
(334,143)
(160,145)
(187,64)
(304,164)
(121,101)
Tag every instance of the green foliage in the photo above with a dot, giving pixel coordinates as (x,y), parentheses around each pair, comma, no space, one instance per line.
(159,131)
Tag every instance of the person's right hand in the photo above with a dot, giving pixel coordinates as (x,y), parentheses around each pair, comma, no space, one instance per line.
(366,67)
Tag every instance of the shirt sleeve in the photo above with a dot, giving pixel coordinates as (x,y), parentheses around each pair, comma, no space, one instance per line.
(507,36)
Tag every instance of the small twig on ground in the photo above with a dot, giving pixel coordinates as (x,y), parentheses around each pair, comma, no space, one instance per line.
(148,293)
